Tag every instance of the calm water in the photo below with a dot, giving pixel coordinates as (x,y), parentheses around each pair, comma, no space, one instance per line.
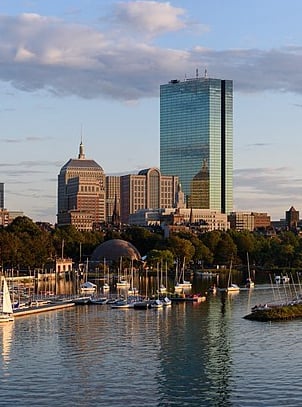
(187,355)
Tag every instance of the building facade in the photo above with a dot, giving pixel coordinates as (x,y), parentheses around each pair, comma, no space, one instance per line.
(147,190)
(81,193)
(113,199)
(292,218)
(170,218)
(196,139)
(261,220)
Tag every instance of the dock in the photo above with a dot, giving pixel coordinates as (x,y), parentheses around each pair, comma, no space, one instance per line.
(35,309)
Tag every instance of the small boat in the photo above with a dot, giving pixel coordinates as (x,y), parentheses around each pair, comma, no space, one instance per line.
(166,301)
(81,300)
(285,279)
(132,291)
(97,300)
(122,284)
(156,303)
(231,287)
(6,313)
(88,288)
(182,285)
(277,279)
(106,287)
(143,304)
(249,282)
(120,304)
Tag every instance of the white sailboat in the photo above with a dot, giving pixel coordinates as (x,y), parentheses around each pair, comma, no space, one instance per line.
(6,314)
(249,282)
(231,287)
(106,285)
(182,283)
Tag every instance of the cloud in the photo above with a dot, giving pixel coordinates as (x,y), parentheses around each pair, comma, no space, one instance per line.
(23,169)
(271,190)
(149,17)
(24,140)
(119,59)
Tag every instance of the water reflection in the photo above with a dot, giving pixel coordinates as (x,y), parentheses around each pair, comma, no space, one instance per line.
(6,330)
(184,355)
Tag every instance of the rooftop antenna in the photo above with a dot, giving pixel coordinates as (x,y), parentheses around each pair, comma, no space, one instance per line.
(196,73)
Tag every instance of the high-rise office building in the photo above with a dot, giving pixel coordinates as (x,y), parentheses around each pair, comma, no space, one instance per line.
(81,193)
(1,195)
(196,139)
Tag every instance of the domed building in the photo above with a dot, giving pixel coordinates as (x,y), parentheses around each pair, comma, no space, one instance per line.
(81,193)
(114,250)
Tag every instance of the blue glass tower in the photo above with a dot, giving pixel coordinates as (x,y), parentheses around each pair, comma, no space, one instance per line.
(1,195)
(196,139)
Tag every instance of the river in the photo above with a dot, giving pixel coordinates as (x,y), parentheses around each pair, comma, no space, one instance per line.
(188,354)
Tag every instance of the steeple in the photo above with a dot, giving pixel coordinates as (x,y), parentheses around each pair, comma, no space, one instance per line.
(81,151)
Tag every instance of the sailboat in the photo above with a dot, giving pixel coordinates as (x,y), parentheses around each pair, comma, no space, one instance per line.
(249,282)
(122,282)
(182,283)
(162,286)
(106,285)
(231,287)
(6,314)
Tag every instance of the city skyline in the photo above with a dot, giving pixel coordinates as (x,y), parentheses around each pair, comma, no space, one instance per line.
(74,68)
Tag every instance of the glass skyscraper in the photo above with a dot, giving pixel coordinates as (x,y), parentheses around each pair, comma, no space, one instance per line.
(196,139)
(1,195)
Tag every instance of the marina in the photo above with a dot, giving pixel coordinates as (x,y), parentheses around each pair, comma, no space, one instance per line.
(188,354)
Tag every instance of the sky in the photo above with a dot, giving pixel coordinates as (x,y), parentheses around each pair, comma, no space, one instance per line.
(93,68)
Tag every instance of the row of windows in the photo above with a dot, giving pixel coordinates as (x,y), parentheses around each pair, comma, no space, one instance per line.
(85,188)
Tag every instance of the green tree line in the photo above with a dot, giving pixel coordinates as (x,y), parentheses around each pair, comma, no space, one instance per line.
(25,245)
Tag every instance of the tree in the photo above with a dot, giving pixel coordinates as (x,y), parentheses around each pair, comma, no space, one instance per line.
(182,249)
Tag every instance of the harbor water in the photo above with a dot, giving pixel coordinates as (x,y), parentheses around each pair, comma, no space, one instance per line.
(189,354)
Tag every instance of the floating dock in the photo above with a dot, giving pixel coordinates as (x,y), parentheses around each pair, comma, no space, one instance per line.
(35,309)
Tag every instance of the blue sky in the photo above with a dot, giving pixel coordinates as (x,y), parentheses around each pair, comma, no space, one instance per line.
(98,65)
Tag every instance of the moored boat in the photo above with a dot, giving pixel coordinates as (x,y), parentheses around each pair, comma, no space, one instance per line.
(88,288)
(6,314)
